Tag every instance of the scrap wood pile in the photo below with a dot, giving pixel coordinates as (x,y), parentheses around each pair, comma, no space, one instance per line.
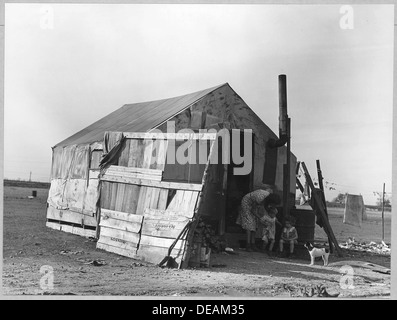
(372,247)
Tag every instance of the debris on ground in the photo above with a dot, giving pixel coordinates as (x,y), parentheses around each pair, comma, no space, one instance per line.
(219,265)
(65,252)
(372,247)
(317,291)
(362,264)
(95,263)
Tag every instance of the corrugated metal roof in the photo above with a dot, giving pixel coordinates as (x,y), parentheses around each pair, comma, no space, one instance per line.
(137,117)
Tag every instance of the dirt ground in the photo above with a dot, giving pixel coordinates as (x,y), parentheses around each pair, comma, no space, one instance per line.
(31,250)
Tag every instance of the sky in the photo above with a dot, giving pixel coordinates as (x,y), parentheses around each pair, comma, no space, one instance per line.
(68,65)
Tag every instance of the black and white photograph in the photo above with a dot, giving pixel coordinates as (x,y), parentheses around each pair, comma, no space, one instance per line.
(197,151)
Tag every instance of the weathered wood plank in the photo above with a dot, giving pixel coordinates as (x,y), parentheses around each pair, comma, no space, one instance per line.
(170,136)
(154,200)
(120,234)
(130,200)
(119,197)
(162,155)
(143,171)
(132,154)
(70,216)
(187,198)
(172,214)
(151,183)
(163,227)
(156,254)
(163,197)
(136,153)
(125,153)
(193,201)
(117,250)
(155,153)
(113,196)
(141,200)
(148,198)
(147,156)
(73,230)
(176,202)
(105,214)
(160,242)
(134,175)
(118,243)
(104,194)
(121,225)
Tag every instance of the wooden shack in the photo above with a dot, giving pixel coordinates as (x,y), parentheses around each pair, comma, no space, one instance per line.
(136,202)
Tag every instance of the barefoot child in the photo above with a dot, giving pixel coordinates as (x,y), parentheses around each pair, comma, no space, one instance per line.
(288,235)
(248,215)
(269,221)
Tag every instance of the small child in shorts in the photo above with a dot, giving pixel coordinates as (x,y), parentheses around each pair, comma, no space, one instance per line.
(269,221)
(288,235)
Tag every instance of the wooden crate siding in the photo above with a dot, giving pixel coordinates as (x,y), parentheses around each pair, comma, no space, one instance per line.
(121,220)
(137,173)
(114,242)
(163,223)
(70,216)
(147,154)
(78,195)
(72,229)
(125,236)
(136,170)
(119,232)
(152,183)
(142,215)
(154,249)
(117,249)
(136,151)
(125,152)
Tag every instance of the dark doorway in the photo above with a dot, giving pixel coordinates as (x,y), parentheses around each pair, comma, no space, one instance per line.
(237,187)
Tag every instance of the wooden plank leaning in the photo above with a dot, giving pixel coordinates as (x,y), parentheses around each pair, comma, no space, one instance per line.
(321,185)
(319,204)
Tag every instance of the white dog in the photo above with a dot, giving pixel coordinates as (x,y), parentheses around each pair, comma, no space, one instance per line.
(317,252)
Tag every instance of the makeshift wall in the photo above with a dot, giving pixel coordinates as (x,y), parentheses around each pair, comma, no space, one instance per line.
(141,213)
(73,192)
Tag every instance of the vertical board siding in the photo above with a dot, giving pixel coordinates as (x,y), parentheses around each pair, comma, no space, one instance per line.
(147,155)
(128,195)
(125,153)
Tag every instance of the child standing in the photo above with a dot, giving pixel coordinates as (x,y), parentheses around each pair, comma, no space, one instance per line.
(289,235)
(269,221)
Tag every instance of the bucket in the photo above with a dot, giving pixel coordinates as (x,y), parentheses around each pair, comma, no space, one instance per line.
(205,257)
(195,254)
(305,222)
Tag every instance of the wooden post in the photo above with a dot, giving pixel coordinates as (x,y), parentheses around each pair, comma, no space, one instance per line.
(321,185)
(285,192)
(383,213)
(318,203)
(222,222)
(288,171)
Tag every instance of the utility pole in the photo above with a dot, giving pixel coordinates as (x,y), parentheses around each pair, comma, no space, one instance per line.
(30,176)
(383,213)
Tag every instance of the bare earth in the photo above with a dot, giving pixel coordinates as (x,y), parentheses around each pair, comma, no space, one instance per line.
(81,269)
